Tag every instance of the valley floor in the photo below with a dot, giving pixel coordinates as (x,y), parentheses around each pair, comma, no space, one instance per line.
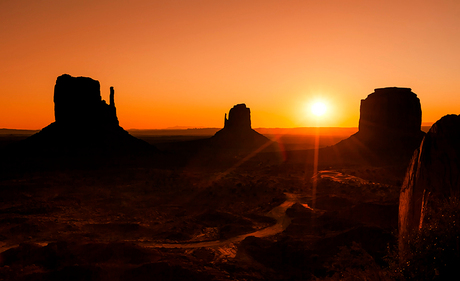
(254,221)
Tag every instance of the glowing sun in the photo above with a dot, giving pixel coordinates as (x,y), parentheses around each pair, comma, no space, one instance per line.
(318,108)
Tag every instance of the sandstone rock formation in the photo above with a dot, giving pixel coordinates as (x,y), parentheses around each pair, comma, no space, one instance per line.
(237,131)
(389,128)
(78,102)
(390,113)
(433,176)
(85,124)
(239,118)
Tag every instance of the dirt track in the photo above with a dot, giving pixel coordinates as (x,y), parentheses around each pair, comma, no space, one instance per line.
(278,213)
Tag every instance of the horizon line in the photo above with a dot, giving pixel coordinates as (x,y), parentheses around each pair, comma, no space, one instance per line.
(179,128)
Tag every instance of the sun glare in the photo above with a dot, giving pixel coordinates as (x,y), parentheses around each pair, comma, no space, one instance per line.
(318,108)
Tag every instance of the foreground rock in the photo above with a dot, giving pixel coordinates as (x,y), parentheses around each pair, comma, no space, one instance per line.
(433,177)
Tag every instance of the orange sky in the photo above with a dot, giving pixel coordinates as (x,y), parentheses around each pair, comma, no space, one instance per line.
(186,63)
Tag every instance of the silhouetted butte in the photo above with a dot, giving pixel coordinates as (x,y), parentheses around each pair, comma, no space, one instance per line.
(85,124)
(237,132)
(389,129)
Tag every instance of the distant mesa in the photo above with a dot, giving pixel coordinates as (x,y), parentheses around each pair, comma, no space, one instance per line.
(85,124)
(433,176)
(239,118)
(389,127)
(237,131)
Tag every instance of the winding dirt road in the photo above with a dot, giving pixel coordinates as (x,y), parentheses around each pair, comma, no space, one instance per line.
(278,213)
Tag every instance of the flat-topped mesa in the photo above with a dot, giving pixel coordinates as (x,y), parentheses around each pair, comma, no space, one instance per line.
(78,102)
(390,112)
(389,129)
(239,118)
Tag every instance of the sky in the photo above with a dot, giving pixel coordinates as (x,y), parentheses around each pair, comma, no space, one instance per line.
(186,63)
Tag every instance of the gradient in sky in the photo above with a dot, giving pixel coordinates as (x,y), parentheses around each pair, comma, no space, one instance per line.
(188,62)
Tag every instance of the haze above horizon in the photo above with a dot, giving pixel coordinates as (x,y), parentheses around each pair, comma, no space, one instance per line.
(189,62)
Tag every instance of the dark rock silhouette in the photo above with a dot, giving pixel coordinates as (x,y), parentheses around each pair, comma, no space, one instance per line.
(239,118)
(237,131)
(78,102)
(85,124)
(231,146)
(433,176)
(390,113)
(112,97)
(389,129)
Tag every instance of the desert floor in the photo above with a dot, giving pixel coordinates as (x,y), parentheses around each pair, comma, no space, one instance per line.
(237,220)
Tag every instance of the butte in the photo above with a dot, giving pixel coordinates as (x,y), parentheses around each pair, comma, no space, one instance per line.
(85,125)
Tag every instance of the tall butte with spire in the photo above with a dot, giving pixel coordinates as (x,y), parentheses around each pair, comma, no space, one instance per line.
(78,103)
(84,123)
